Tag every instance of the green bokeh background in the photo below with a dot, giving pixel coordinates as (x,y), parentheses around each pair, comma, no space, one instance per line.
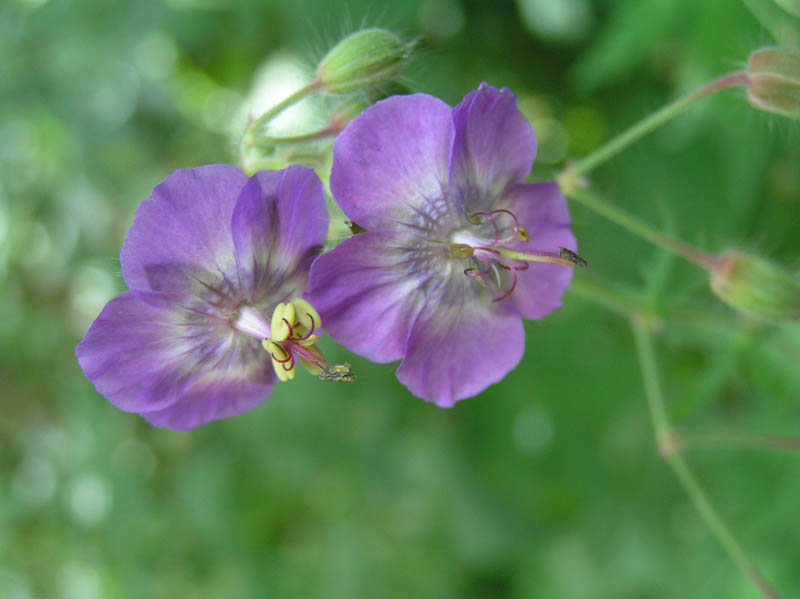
(548,483)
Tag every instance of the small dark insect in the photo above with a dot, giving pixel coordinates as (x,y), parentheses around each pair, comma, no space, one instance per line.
(355,228)
(572,257)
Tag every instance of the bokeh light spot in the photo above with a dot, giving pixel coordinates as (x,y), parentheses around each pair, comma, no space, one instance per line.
(14,585)
(115,94)
(533,430)
(79,581)
(220,110)
(90,289)
(556,20)
(155,56)
(89,499)
(277,78)
(552,139)
(34,482)
(441,18)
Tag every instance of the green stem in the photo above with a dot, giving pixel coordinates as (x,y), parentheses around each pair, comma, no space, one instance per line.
(640,228)
(269,142)
(604,296)
(658,415)
(655,120)
(685,441)
(248,140)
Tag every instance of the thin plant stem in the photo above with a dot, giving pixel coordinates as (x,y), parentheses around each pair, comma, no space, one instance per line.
(248,140)
(325,132)
(624,303)
(661,426)
(605,296)
(640,228)
(685,441)
(623,140)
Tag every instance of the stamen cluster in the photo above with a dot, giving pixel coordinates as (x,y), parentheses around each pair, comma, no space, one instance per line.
(488,256)
(292,337)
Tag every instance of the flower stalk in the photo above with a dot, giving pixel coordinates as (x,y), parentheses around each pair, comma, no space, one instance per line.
(611,299)
(638,227)
(250,135)
(684,441)
(639,130)
(291,140)
(563,258)
(666,443)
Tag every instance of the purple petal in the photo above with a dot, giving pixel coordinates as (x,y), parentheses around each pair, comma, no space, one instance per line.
(493,144)
(366,295)
(279,225)
(147,351)
(542,210)
(184,227)
(392,160)
(456,351)
(209,401)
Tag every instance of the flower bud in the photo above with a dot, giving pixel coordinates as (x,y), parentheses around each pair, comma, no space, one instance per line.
(756,286)
(773,81)
(366,58)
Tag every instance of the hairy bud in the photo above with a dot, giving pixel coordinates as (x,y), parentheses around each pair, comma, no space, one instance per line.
(364,59)
(773,81)
(756,286)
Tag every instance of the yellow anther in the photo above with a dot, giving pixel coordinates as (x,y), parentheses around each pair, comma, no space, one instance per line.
(293,340)
(282,372)
(275,350)
(289,314)
(281,360)
(522,234)
(309,341)
(307,316)
(278,329)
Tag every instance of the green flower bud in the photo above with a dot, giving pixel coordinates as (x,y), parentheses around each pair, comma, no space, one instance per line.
(773,81)
(363,59)
(756,286)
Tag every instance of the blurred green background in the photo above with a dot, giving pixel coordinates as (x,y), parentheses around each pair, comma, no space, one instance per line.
(547,484)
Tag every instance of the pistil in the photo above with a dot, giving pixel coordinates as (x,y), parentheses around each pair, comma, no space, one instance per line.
(564,257)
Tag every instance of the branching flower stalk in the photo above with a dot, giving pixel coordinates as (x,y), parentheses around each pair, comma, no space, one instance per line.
(665,441)
(639,227)
(684,441)
(650,123)
(249,139)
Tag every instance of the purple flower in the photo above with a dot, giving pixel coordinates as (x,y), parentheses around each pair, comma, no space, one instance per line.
(457,250)
(209,257)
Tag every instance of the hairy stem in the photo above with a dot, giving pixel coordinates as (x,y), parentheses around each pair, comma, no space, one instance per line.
(249,138)
(325,132)
(658,415)
(605,296)
(640,228)
(685,440)
(636,132)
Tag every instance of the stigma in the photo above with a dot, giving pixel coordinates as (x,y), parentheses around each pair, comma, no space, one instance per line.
(292,338)
(489,258)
